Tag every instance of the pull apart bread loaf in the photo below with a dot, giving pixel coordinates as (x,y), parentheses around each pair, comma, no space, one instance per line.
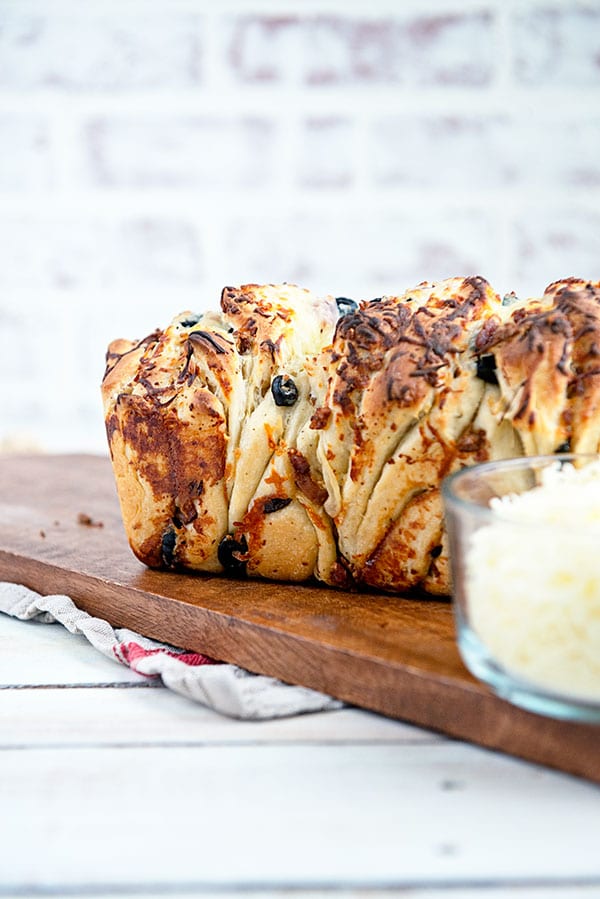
(292,436)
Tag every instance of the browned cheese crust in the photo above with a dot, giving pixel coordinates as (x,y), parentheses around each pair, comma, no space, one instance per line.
(281,439)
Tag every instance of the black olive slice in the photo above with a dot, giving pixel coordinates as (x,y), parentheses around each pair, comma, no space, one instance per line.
(190,322)
(345,305)
(285,392)
(167,547)
(563,447)
(229,552)
(486,368)
(275,504)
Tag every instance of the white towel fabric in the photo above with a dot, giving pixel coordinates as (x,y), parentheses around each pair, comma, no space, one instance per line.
(225,688)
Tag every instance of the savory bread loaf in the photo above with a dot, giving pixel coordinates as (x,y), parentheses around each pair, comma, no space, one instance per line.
(292,436)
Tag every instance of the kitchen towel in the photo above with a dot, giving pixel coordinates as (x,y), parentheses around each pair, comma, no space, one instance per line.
(225,688)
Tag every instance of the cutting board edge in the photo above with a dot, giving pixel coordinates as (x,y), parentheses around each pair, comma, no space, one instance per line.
(486,720)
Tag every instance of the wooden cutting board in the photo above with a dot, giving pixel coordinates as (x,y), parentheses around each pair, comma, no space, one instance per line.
(389,654)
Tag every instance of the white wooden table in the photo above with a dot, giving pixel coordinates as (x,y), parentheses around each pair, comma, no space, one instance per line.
(110,785)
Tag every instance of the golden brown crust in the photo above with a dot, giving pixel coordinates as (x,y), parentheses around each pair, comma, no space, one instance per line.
(401,390)
(532,353)
(580,303)
(201,444)
(276,439)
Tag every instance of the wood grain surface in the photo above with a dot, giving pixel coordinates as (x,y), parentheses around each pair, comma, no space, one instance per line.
(390,654)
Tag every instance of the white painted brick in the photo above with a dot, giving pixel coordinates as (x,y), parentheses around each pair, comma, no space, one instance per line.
(77,51)
(262,50)
(363,255)
(558,45)
(436,49)
(442,152)
(465,152)
(455,49)
(31,361)
(74,253)
(344,50)
(181,152)
(325,153)
(26,161)
(555,242)
(557,151)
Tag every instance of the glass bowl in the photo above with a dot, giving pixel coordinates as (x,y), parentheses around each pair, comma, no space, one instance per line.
(524,540)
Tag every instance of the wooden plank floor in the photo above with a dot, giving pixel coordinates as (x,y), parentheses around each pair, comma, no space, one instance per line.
(112,786)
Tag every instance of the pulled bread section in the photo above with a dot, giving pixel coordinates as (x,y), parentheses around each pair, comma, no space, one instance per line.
(291,436)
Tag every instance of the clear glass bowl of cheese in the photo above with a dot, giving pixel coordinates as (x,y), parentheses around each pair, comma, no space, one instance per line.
(525,554)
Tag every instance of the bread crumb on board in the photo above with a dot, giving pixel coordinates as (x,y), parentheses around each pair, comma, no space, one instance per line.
(88,522)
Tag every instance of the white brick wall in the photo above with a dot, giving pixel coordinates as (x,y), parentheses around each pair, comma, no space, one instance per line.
(153,150)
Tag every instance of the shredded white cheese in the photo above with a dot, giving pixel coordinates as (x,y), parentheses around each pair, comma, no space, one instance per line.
(533,582)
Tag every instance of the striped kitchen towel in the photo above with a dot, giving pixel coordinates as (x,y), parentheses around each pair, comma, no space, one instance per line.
(225,688)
